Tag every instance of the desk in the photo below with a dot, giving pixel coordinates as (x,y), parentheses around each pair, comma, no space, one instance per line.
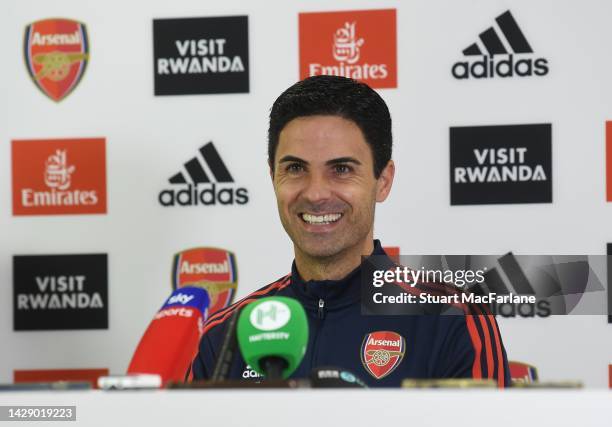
(338,408)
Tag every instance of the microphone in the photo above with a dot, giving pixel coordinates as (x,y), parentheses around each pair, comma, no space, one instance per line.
(130,382)
(331,377)
(272,336)
(170,342)
(228,349)
(522,372)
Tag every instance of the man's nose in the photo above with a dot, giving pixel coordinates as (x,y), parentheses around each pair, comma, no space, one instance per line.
(317,188)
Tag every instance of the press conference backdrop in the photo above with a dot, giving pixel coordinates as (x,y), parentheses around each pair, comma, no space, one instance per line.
(147,99)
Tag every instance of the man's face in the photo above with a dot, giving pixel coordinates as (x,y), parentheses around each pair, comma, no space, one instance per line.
(325,185)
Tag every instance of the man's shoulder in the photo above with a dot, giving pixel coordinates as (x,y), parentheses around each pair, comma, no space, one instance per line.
(221,316)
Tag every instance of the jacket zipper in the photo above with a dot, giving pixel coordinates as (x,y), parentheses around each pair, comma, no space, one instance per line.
(315,346)
(321,311)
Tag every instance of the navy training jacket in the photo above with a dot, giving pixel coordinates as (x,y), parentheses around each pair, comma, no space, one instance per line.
(381,350)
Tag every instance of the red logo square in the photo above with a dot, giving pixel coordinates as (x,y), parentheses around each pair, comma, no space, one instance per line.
(358,44)
(52,375)
(59,176)
(609,161)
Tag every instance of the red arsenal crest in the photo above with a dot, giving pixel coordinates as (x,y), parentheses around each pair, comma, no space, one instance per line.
(56,54)
(382,352)
(210,268)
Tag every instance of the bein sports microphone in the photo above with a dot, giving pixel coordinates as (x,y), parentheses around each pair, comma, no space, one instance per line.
(330,377)
(169,344)
(272,336)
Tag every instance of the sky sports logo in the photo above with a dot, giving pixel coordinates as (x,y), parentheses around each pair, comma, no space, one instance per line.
(502,50)
(201,55)
(198,185)
(59,176)
(60,292)
(361,45)
(501,164)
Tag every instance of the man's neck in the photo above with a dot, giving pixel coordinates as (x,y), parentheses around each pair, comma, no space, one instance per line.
(335,267)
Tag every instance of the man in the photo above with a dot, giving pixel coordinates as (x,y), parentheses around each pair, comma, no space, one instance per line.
(329,154)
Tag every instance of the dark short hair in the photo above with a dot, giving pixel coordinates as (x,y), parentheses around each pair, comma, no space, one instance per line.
(335,96)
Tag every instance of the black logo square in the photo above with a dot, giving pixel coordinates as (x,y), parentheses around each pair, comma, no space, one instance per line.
(60,292)
(201,55)
(501,164)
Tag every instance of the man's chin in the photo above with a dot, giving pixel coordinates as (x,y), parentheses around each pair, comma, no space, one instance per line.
(321,249)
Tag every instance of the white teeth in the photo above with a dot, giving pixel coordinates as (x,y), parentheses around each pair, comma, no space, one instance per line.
(321,219)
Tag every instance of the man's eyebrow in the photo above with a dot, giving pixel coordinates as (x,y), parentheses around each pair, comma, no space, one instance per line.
(343,160)
(331,162)
(292,159)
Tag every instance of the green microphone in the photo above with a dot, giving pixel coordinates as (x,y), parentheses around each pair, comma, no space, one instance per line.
(272,336)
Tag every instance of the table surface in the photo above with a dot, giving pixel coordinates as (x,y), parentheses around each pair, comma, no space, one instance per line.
(337,407)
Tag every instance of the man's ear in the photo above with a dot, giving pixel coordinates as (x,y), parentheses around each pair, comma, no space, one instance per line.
(385,181)
(271,170)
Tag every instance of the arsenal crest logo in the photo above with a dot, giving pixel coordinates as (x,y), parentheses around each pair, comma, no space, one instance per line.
(210,268)
(56,54)
(382,352)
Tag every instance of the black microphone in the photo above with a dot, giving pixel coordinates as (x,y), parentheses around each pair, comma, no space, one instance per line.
(228,349)
(331,377)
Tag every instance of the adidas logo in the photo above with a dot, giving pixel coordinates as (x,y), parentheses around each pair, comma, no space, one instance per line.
(196,185)
(505,40)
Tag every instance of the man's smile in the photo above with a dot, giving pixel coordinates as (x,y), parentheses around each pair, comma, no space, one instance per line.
(320,219)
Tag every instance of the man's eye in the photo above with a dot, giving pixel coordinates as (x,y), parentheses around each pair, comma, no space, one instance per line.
(342,169)
(294,168)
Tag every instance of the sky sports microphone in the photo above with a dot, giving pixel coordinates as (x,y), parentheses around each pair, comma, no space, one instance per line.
(331,377)
(272,336)
(169,344)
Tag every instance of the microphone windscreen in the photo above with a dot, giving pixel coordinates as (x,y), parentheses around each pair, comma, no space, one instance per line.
(273,329)
(170,342)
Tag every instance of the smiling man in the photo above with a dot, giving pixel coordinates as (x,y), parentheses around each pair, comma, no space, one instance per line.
(329,155)
(326,186)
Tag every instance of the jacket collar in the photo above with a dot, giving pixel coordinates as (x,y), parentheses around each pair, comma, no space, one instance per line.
(335,293)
